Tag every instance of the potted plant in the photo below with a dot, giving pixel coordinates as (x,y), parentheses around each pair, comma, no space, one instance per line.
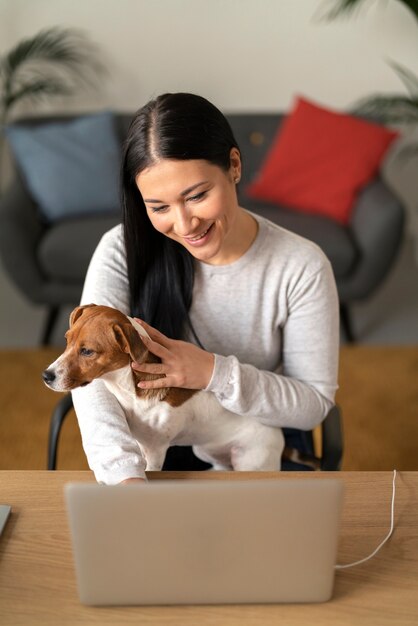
(54,62)
(394,108)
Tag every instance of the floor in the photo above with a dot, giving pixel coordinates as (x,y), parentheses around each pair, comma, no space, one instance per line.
(389,317)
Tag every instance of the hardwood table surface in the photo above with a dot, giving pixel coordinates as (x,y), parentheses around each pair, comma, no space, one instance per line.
(37,579)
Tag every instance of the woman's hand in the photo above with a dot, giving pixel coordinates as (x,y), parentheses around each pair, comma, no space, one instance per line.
(183,364)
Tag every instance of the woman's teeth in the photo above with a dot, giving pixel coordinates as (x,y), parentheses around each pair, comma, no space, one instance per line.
(198,236)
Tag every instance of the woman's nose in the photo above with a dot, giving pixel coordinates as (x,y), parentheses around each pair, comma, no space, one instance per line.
(185,222)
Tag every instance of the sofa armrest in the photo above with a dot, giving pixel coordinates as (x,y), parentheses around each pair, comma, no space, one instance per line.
(20,232)
(377,228)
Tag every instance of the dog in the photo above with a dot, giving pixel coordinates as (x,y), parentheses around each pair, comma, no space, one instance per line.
(102,342)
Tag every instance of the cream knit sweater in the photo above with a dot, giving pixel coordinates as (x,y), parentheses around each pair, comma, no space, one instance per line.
(271,319)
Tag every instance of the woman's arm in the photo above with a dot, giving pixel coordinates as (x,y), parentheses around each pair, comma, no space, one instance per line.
(112,453)
(300,394)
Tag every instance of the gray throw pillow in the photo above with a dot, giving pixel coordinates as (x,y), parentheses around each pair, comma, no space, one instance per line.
(70,168)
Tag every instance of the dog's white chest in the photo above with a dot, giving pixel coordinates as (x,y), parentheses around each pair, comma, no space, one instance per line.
(155,415)
(200,419)
(145,416)
(217,435)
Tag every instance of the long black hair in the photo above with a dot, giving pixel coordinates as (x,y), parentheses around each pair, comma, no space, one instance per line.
(177,126)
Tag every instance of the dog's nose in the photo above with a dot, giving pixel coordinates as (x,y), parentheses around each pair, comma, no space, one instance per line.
(48,376)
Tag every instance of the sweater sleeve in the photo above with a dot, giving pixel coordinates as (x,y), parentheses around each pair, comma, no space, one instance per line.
(301,391)
(112,452)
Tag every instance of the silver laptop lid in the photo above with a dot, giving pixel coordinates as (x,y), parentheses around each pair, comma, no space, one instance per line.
(203,542)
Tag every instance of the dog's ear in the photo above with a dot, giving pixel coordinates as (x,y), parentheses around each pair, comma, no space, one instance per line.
(78,311)
(129,340)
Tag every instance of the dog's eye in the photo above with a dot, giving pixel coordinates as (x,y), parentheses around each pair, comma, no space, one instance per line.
(86,352)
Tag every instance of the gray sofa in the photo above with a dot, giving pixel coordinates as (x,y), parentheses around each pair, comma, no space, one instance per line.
(48,261)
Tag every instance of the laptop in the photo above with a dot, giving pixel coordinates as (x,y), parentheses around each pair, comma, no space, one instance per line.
(205,541)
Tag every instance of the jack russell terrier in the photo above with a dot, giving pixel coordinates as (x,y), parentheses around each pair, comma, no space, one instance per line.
(102,342)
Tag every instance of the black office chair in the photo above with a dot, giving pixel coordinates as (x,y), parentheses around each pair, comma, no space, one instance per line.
(181,458)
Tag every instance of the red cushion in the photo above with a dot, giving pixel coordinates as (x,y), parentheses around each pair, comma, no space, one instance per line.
(320,160)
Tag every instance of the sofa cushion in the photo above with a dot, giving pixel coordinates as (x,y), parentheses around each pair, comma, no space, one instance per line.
(71,168)
(319,160)
(254,133)
(67,247)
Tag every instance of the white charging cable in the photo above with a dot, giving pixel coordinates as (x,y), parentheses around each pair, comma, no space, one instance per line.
(392,519)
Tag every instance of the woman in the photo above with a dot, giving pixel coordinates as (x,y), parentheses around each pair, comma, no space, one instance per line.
(233,303)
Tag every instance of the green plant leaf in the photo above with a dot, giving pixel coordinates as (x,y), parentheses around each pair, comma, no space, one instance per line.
(344,8)
(38,89)
(349,7)
(52,62)
(409,79)
(391,108)
(68,48)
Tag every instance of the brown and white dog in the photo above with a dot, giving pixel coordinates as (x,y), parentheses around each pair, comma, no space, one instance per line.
(102,342)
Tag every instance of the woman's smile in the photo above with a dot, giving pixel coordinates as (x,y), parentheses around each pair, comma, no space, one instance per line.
(200,240)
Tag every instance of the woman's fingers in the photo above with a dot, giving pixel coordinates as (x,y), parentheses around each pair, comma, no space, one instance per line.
(156,348)
(159,383)
(165,378)
(157,345)
(182,364)
(149,368)
(153,333)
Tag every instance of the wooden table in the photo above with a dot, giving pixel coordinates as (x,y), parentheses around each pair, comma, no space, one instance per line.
(37,581)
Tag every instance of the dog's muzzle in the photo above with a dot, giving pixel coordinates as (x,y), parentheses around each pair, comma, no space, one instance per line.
(55,381)
(48,376)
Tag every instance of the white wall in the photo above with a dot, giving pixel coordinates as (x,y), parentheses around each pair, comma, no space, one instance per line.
(241,54)
(244,55)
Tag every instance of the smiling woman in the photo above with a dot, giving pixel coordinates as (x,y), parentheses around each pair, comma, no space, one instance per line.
(233,304)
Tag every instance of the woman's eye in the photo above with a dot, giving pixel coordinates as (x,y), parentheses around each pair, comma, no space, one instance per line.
(198,196)
(86,352)
(159,209)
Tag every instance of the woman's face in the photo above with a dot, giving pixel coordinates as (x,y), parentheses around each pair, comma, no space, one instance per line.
(194,203)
